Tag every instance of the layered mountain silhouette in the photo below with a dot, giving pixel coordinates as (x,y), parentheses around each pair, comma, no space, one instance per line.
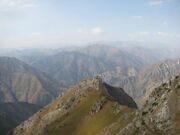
(119,64)
(128,67)
(69,67)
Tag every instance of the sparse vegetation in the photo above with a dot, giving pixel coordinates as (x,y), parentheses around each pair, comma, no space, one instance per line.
(143,123)
(154,104)
(97,114)
(144,113)
(178,86)
(98,105)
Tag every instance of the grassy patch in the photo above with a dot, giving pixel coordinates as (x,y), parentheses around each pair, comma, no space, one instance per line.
(68,124)
(78,120)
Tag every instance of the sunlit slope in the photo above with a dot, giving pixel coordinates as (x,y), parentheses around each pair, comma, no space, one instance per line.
(85,109)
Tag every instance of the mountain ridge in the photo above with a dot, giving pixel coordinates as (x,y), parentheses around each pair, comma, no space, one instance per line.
(86,100)
(77,110)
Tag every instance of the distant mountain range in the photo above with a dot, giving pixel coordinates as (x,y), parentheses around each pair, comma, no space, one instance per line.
(37,77)
(123,66)
(70,67)
(133,69)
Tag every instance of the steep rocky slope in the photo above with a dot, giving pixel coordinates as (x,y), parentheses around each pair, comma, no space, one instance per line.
(161,113)
(93,107)
(140,82)
(85,109)
(20,82)
(12,114)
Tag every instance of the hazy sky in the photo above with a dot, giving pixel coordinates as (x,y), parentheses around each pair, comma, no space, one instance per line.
(35,23)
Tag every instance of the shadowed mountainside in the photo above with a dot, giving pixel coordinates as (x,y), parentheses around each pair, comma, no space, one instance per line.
(12,114)
(20,82)
(120,96)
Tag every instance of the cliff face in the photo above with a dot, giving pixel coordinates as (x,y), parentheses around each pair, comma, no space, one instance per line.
(86,108)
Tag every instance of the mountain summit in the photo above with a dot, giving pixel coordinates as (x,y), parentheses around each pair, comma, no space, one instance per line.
(86,108)
(92,108)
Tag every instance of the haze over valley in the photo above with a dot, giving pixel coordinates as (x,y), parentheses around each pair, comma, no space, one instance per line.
(89,67)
